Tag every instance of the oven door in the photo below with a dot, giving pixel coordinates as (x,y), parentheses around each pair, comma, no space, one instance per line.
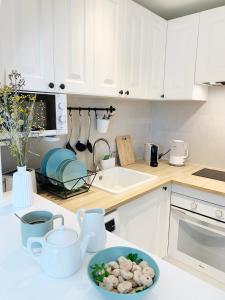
(197,241)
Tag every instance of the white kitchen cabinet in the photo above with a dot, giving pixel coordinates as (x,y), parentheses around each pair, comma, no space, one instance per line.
(145,221)
(154,55)
(73,46)
(108,38)
(2,38)
(29,43)
(133,52)
(181,51)
(211,46)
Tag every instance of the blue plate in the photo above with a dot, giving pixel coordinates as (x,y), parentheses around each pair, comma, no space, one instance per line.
(110,254)
(56,158)
(45,160)
(70,173)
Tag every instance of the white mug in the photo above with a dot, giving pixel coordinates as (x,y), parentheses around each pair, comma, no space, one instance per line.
(61,251)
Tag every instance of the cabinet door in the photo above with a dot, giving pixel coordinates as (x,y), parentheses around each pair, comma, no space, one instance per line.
(154,54)
(30,42)
(133,54)
(109,20)
(2,38)
(181,50)
(73,46)
(145,221)
(211,46)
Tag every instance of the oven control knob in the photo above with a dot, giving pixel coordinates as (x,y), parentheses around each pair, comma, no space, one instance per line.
(61,106)
(62,119)
(194,205)
(218,213)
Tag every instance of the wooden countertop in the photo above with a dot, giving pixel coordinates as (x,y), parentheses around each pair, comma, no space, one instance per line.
(166,174)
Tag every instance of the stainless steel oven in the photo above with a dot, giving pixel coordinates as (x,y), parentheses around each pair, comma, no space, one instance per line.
(197,235)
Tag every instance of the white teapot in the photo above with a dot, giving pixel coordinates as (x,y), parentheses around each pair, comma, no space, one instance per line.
(61,251)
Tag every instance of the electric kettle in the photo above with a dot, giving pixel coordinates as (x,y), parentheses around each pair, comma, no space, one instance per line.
(178,152)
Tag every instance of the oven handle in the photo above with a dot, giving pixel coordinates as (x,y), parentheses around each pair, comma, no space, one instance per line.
(202,221)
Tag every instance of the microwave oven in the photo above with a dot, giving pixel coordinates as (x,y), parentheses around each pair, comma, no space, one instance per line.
(53,111)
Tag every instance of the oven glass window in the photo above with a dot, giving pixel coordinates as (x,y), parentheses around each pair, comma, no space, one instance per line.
(202,244)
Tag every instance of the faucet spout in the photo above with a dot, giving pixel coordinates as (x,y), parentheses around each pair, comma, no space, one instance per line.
(95,165)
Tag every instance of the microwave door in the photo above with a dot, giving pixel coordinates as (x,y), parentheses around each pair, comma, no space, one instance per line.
(197,241)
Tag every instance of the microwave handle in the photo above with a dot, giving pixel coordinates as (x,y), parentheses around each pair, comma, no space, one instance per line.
(201,221)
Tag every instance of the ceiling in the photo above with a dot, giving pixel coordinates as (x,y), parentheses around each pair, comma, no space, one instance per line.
(170,9)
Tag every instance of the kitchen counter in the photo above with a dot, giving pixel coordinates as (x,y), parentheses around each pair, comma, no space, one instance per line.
(22,279)
(166,174)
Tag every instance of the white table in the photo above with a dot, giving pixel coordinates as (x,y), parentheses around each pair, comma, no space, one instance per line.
(22,279)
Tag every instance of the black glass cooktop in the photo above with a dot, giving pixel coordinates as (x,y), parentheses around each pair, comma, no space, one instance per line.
(210,173)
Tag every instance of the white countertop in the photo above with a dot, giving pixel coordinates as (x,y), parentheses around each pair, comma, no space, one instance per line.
(22,279)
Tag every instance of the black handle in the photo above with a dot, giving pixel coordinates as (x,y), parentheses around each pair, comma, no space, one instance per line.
(165,188)
(62,86)
(51,85)
(127,93)
(110,225)
(162,96)
(121,92)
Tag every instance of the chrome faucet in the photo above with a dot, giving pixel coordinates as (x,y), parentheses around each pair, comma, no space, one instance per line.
(96,165)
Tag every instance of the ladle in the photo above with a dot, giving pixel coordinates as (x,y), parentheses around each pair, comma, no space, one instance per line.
(68,145)
(89,144)
(80,146)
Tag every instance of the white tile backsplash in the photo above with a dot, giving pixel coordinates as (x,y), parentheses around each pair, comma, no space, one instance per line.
(202,125)
(131,117)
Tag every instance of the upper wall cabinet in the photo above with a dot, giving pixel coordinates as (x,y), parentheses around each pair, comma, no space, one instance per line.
(73,46)
(108,34)
(29,44)
(181,51)
(211,46)
(3,24)
(133,51)
(129,49)
(154,55)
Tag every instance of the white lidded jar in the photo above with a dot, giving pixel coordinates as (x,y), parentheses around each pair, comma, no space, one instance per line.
(22,189)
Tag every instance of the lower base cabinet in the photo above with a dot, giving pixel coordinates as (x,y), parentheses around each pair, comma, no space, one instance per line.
(145,221)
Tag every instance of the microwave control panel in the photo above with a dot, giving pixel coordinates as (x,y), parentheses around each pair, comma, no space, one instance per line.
(61,114)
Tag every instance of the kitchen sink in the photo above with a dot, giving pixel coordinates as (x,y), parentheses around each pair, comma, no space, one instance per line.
(119,180)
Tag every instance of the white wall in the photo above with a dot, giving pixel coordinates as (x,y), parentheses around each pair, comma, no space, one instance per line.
(131,117)
(202,125)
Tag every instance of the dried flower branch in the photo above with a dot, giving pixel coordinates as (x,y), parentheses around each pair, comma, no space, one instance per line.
(16,117)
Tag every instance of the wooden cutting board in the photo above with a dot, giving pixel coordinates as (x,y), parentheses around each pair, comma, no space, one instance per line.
(125,150)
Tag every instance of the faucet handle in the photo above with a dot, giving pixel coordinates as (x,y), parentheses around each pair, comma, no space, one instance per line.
(97,168)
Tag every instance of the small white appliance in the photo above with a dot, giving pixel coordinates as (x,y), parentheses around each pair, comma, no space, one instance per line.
(53,108)
(178,153)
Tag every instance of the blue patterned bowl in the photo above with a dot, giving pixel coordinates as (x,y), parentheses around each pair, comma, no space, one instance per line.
(113,253)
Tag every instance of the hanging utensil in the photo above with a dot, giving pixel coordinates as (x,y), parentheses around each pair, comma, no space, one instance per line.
(89,144)
(68,145)
(80,146)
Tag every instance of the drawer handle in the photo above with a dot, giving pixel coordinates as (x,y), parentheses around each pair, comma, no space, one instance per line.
(194,205)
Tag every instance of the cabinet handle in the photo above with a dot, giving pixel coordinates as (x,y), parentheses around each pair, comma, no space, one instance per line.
(127,93)
(162,96)
(51,85)
(121,92)
(62,86)
(165,188)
